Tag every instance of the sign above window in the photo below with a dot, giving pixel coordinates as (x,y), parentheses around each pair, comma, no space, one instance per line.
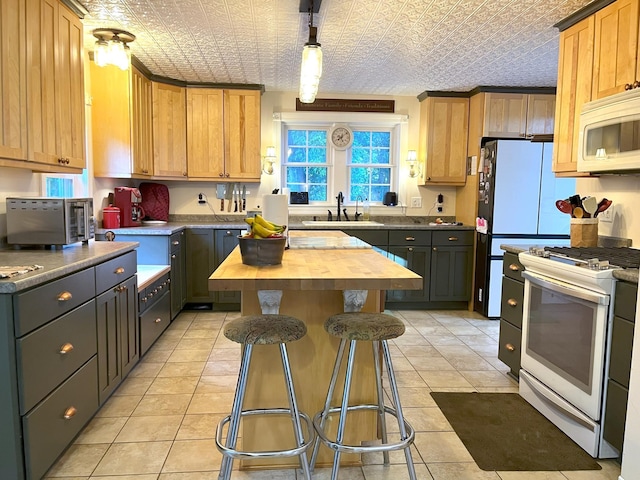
(342,105)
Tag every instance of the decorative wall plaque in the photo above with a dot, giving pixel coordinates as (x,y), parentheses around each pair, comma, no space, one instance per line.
(342,105)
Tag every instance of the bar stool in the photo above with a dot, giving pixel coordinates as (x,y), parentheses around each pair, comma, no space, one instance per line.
(265,329)
(376,328)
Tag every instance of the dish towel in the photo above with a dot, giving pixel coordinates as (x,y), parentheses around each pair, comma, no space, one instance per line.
(6,272)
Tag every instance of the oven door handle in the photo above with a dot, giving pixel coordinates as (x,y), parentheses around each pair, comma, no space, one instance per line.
(566,289)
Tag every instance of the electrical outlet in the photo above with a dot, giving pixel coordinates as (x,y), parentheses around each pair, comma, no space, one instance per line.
(607,215)
(416,202)
(201,199)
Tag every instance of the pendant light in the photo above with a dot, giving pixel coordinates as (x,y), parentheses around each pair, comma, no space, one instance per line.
(112,47)
(311,67)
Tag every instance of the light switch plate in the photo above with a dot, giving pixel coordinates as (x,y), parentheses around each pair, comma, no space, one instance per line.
(607,215)
(416,202)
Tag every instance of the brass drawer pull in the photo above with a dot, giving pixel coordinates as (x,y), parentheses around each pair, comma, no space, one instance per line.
(512,302)
(173,256)
(66,348)
(510,347)
(435,249)
(119,271)
(410,249)
(175,242)
(65,297)
(453,239)
(157,320)
(514,268)
(410,239)
(120,288)
(143,299)
(70,412)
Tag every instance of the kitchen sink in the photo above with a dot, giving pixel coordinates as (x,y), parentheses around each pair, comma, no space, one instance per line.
(341,223)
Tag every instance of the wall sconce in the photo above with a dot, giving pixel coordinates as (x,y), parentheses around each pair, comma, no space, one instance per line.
(268,160)
(112,47)
(414,167)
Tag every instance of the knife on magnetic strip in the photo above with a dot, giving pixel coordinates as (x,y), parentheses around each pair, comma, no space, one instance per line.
(244,198)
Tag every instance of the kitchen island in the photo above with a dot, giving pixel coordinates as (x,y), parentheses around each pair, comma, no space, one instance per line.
(312,282)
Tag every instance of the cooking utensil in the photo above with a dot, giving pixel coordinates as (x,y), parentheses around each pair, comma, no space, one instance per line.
(578,212)
(244,198)
(228,195)
(590,205)
(575,201)
(236,195)
(602,206)
(563,206)
(220,195)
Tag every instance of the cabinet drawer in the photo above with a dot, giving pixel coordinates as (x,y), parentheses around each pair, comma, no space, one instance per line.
(153,292)
(615,414)
(176,241)
(47,432)
(621,346)
(410,237)
(509,348)
(453,237)
(625,301)
(372,237)
(154,321)
(34,308)
(511,266)
(114,271)
(512,298)
(41,364)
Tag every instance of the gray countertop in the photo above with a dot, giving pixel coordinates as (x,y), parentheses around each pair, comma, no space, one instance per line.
(57,263)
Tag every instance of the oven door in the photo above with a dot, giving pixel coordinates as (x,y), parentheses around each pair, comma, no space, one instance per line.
(564,334)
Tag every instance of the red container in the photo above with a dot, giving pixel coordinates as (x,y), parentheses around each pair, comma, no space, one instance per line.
(111,217)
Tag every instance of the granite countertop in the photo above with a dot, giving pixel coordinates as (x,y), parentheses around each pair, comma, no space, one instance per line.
(57,263)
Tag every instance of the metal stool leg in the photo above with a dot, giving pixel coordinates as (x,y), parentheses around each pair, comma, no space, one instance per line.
(343,408)
(398,407)
(295,414)
(327,403)
(232,434)
(381,413)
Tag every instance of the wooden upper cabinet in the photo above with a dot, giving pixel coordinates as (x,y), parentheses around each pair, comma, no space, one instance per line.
(142,124)
(575,68)
(505,115)
(55,90)
(443,139)
(13,100)
(205,133)
(540,114)
(242,134)
(169,130)
(616,48)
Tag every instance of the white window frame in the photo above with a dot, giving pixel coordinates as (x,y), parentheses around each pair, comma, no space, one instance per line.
(80,183)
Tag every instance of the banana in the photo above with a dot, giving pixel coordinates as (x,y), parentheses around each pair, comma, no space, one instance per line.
(249,220)
(259,219)
(261,231)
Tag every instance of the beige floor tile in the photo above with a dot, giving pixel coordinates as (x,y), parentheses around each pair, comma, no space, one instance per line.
(196,427)
(490,351)
(189,355)
(531,476)
(426,351)
(396,457)
(155,355)
(146,369)
(211,403)
(426,419)
(434,330)
(84,477)
(441,447)
(217,384)
(192,456)
(211,317)
(222,367)
(464,330)
(150,429)
(210,475)
(410,379)
(166,343)
(453,321)
(288,474)
(225,354)
(477,339)
(610,471)
(163,405)
(450,339)
(181,369)
(511,389)
(101,430)
(406,340)
(133,458)
(429,363)
(488,379)
(454,389)
(394,472)
(414,396)
(224,342)
(345,473)
(195,344)
(448,351)
(119,406)
(149,476)
(201,333)
(78,460)
(134,386)
(169,385)
(401,364)
(459,471)
(470,363)
(173,334)
(444,379)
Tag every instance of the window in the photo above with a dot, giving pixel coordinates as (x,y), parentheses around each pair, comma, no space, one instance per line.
(306,167)
(65,185)
(370,165)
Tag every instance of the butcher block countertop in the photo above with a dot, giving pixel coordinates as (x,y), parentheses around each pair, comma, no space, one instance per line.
(316,269)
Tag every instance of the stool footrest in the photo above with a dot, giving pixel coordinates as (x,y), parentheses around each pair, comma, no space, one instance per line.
(269,453)
(386,447)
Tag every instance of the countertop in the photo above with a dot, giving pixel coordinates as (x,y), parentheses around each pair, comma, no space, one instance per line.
(57,263)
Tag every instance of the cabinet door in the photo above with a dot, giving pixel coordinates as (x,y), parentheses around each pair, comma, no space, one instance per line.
(178,276)
(226,241)
(451,273)
(616,46)
(109,366)
(169,131)
(242,134)
(129,326)
(205,146)
(416,259)
(446,121)
(575,68)
(141,124)
(505,115)
(13,100)
(200,264)
(540,114)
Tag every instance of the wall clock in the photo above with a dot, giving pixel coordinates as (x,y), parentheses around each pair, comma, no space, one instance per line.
(341,137)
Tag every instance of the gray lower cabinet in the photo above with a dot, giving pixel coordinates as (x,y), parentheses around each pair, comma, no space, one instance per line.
(510,340)
(178,273)
(620,363)
(201,262)
(154,321)
(451,266)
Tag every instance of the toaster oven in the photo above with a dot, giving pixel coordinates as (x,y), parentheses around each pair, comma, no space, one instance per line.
(49,221)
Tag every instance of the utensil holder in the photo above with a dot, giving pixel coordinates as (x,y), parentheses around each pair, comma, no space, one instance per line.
(584,232)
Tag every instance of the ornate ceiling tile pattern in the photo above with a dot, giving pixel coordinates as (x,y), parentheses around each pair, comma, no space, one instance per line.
(370,47)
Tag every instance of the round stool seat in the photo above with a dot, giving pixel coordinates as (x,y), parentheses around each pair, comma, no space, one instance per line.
(266,329)
(364,326)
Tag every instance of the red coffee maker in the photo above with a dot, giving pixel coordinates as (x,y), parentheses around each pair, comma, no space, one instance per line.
(128,200)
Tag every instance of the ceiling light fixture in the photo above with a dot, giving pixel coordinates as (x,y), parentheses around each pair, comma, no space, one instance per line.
(112,47)
(311,67)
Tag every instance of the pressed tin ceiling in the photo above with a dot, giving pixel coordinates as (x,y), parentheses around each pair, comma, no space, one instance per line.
(370,47)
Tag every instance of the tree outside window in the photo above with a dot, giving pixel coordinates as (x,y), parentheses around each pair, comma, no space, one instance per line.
(306,167)
(370,165)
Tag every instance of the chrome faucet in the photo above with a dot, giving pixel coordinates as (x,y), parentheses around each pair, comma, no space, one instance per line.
(340,199)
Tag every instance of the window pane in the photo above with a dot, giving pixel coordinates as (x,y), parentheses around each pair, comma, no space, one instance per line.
(318,175)
(361,139)
(296,175)
(297,155)
(380,156)
(297,137)
(307,150)
(381,139)
(377,193)
(372,181)
(359,192)
(59,187)
(296,187)
(318,138)
(381,175)
(317,193)
(360,155)
(359,176)
(317,155)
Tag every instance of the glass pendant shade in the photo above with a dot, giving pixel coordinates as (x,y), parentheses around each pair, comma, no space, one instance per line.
(112,48)
(101,53)
(310,72)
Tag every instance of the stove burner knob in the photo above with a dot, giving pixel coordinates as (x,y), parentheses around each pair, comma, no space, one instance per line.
(604,265)
(545,254)
(593,264)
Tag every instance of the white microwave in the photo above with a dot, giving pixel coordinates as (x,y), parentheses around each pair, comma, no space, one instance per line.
(609,140)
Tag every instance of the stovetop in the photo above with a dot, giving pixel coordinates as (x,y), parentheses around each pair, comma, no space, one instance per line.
(623,257)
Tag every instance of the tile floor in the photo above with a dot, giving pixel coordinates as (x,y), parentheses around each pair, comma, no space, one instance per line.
(160,423)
